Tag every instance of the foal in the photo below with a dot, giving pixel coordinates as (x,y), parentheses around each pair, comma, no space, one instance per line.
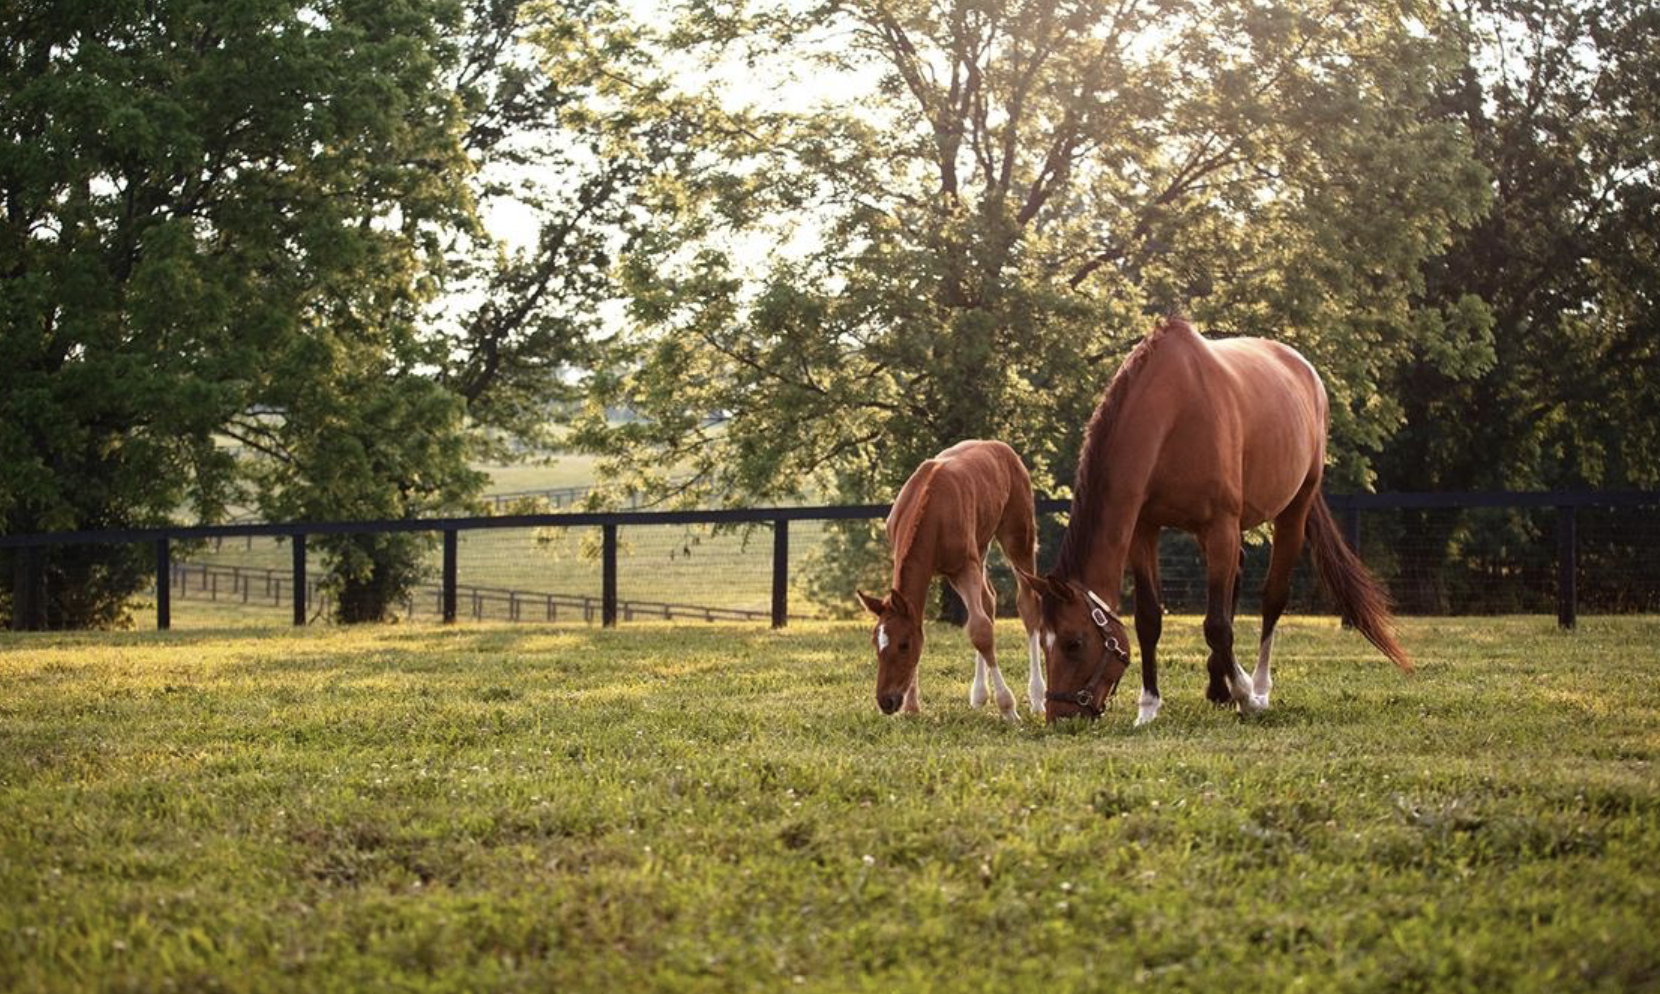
(942,524)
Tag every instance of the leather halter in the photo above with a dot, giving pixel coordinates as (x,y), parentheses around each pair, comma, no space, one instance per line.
(1085,698)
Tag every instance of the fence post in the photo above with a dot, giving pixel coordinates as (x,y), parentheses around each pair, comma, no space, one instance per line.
(164,586)
(448,595)
(608,584)
(298,542)
(780,572)
(1566,568)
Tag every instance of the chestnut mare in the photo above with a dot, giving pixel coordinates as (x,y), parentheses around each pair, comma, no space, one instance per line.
(942,524)
(1211,437)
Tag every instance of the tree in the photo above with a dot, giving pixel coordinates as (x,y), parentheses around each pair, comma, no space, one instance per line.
(390,400)
(985,205)
(187,186)
(1559,99)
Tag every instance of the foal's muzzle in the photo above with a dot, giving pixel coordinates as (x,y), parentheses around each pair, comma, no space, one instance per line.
(889,703)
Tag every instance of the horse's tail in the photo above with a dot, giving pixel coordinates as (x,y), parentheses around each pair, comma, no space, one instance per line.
(1361,601)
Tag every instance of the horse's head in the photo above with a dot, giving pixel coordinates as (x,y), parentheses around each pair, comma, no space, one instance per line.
(898,641)
(1085,647)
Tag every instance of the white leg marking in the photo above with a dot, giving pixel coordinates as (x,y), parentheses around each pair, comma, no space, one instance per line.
(1035,687)
(1262,681)
(1150,704)
(913,699)
(1239,685)
(1005,696)
(977,691)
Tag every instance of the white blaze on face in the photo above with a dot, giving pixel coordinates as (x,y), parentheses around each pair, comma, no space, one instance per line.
(1049,640)
(881,638)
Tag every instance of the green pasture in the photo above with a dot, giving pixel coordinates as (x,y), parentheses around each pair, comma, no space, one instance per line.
(572,469)
(698,565)
(721,807)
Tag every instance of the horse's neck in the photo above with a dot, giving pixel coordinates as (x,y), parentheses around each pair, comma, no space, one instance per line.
(1103,568)
(913,573)
(1117,508)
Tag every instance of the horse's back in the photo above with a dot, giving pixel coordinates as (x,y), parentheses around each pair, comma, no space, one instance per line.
(1244,426)
(960,497)
(1280,405)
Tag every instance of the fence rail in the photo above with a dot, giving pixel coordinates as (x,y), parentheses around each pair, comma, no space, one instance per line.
(265,586)
(446,595)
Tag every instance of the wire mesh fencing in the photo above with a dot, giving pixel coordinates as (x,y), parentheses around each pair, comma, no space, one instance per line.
(1437,554)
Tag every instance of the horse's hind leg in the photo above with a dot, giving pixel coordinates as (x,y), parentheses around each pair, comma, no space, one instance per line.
(1276,593)
(1018,537)
(975,590)
(1228,683)
(1149,619)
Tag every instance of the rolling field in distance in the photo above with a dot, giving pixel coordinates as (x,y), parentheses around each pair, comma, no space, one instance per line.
(721,807)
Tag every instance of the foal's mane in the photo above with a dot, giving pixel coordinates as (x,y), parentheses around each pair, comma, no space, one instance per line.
(1088,488)
(924,479)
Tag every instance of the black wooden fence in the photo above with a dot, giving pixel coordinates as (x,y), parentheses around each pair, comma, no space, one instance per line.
(1565,505)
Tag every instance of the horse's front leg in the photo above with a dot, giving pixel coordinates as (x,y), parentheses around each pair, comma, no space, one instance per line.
(1149,620)
(971,585)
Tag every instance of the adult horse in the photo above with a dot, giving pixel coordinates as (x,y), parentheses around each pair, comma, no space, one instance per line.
(942,524)
(1211,437)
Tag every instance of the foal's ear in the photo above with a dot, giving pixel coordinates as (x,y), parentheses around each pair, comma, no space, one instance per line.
(871,604)
(900,605)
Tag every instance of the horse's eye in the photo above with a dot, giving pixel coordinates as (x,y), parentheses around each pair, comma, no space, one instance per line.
(1074,645)
(904,647)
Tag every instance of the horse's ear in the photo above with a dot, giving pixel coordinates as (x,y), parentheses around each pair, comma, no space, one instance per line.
(1031,581)
(900,605)
(1046,586)
(1060,589)
(871,604)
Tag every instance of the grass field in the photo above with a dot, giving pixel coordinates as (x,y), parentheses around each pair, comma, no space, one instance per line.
(712,808)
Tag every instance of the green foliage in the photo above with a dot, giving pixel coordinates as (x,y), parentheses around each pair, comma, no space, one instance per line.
(986,203)
(722,808)
(1561,384)
(197,195)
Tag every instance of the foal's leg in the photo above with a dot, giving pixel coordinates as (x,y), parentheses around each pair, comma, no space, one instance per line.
(1288,545)
(913,696)
(1228,683)
(977,689)
(975,590)
(1149,619)
(1019,541)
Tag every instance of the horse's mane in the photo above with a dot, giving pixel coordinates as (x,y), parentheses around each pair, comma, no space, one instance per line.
(1088,485)
(923,479)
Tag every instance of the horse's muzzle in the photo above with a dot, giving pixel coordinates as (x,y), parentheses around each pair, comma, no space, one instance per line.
(889,703)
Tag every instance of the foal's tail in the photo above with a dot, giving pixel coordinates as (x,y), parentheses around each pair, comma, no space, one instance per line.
(1360,600)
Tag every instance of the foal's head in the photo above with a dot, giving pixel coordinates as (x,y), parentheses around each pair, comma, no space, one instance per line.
(898,641)
(1085,647)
